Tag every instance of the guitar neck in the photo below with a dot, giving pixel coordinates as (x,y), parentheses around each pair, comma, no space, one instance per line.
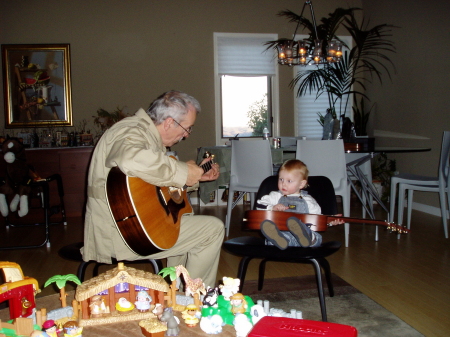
(356,220)
(207,166)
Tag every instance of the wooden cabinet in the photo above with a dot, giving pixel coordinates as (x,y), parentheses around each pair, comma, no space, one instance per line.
(72,164)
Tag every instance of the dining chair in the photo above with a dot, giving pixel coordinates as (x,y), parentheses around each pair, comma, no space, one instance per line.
(366,169)
(252,247)
(413,182)
(327,158)
(251,162)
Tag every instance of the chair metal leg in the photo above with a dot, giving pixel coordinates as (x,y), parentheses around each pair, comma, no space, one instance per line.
(242,270)
(157,265)
(318,271)
(327,270)
(82,269)
(262,270)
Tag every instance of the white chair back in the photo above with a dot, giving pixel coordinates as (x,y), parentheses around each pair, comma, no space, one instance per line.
(251,163)
(327,158)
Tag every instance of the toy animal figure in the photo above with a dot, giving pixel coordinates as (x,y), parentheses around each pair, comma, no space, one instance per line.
(158,310)
(242,325)
(212,324)
(17,180)
(172,323)
(210,299)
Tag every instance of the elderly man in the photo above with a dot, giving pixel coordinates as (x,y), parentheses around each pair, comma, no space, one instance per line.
(137,146)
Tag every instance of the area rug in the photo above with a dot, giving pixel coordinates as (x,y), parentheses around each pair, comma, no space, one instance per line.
(348,306)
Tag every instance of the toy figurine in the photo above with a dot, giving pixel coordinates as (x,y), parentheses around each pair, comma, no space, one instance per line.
(97,306)
(238,304)
(143,301)
(172,322)
(210,299)
(191,315)
(229,287)
(123,305)
(50,328)
(212,324)
(71,329)
(39,333)
(242,325)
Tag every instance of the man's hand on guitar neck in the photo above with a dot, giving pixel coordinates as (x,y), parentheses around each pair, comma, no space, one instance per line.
(213,173)
(196,174)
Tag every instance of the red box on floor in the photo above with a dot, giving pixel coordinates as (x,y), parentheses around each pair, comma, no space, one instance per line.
(290,327)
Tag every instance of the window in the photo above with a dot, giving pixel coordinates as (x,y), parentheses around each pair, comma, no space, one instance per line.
(245,86)
(307,107)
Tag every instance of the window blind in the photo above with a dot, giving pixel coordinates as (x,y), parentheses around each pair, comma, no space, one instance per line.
(245,54)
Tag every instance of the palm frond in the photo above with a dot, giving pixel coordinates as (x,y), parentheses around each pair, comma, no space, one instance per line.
(61,280)
(169,271)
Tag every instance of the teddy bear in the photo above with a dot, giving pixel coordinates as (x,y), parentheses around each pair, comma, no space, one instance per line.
(17,180)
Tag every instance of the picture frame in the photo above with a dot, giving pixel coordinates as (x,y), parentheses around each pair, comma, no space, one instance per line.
(37,85)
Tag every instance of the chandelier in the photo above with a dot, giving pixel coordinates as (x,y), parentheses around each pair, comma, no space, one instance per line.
(308,51)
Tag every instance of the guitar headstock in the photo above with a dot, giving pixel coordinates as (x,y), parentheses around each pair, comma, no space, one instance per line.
(399,229)
(208,154)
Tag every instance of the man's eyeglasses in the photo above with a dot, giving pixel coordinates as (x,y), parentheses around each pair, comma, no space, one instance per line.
(188,130)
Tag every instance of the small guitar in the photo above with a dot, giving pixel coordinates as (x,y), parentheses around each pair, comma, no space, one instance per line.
(320,223)
(147,216)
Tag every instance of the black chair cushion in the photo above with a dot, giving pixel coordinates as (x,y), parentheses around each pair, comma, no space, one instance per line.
(319,187)
(255,247)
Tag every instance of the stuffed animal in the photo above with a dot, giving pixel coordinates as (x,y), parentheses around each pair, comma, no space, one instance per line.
(17,180)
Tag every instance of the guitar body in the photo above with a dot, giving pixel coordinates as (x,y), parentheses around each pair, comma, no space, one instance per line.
(320,223)
(147,216)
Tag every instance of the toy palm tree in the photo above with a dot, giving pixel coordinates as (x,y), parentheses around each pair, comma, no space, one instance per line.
(172,273)
(61,281)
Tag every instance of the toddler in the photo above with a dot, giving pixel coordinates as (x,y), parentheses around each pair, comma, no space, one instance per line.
(290,197)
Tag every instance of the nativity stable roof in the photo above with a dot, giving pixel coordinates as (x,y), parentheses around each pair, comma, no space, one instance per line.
(120,274)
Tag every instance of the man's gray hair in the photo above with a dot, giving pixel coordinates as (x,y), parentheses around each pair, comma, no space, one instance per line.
(173,104)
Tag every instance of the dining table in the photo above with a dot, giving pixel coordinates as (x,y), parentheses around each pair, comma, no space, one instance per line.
(367,192)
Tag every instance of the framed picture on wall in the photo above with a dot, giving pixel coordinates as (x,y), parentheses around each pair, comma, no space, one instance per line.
(36,85)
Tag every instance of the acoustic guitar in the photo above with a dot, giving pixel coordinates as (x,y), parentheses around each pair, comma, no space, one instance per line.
(320,223)
(147,216)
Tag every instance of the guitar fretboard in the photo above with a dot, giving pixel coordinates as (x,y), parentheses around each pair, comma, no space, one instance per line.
(207,166)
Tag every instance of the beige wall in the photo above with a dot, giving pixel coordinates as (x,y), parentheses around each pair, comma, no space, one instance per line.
(417,100)
(125,53)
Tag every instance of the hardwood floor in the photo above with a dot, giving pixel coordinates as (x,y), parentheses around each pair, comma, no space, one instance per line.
(410,277)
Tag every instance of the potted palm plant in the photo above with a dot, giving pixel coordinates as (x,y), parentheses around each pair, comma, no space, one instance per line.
(360,64)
